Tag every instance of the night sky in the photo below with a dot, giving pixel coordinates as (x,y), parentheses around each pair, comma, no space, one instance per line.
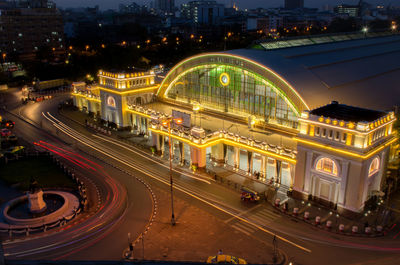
(107,4)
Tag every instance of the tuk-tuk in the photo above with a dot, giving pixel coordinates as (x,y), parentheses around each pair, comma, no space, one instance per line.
(249,195)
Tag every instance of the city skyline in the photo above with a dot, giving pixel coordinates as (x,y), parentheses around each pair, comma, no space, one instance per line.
(107,4)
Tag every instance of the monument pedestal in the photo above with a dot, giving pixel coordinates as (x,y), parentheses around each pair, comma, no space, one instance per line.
(36,202)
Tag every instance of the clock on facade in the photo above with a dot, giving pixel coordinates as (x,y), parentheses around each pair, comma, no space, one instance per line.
(224,79)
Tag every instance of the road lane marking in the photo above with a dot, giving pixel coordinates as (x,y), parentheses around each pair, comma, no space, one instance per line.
(149,158)
(175,186)
(242,230)
(242,213)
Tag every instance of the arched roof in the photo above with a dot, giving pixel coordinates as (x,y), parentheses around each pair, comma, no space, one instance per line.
(284,88)
(363,72)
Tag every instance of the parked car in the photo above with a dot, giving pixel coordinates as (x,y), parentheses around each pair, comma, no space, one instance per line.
(14,149)
(5,132)
(225,259)
(249,195)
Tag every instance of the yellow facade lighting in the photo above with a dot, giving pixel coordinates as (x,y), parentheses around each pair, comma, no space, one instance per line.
(138,113)
(164,88)
(86,97)
(349,153)
(132,91)
(228,142)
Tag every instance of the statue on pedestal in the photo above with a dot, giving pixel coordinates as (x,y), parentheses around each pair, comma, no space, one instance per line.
(35,197)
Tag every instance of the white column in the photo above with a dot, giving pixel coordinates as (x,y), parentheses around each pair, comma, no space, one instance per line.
(307,173)
(201,157)
(236,157)
(250,162)
(343,183)
(292,174)
(162,145)
(158,139)
(263,165)
(193,155)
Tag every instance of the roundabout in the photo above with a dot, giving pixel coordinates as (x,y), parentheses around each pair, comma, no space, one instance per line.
(61,206)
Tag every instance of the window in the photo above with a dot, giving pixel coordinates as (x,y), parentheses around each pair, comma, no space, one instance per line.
(337,135)
(327,165)
(344,137)
(330,134)
(317,131)
(323,132)
(374,167)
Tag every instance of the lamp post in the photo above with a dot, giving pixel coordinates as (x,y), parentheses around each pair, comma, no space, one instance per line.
(167,123)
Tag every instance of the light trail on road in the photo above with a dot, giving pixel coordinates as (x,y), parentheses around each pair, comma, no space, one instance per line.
(90,229)
(110,153)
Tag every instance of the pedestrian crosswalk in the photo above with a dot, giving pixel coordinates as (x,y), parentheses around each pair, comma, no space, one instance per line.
(260,218)
(264,216)
(244,228)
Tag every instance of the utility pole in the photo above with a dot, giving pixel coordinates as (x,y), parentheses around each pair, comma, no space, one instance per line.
(275,250)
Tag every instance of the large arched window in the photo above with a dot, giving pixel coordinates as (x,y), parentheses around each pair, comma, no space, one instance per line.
(327,165)
(374,166)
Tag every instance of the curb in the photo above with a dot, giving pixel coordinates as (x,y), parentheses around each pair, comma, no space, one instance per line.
(324,228)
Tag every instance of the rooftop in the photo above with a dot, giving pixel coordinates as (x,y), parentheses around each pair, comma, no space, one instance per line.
(359,72)
(318,39)
(347,113)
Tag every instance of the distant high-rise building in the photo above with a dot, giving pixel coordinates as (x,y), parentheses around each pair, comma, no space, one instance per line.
(293,4)
(203,12)
(27,26)
(165,6)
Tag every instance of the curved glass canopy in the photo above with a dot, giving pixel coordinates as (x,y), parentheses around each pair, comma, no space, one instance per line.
(233,85)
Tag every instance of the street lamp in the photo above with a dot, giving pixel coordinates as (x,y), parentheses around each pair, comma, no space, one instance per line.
(167,123)
(365,30)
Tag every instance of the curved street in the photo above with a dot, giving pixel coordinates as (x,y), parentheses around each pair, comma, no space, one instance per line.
(123,163)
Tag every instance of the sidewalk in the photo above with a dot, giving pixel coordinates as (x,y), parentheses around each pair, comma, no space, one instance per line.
(308,211)
(197,234)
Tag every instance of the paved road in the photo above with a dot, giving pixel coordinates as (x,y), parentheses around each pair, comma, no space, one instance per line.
(112,219)
(305,244)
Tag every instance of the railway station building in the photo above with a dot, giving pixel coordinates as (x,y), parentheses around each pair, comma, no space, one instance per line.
(313,116)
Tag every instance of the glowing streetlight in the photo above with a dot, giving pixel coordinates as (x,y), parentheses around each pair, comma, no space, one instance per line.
(167,123)
(365,30)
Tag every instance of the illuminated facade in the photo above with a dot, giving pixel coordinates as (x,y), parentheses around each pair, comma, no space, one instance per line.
(248,111)
(342,153)
(233,84)
(114,92)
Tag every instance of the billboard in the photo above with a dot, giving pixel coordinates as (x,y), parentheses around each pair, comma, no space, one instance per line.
(186,117)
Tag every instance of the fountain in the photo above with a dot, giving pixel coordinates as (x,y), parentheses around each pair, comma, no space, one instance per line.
(39,208)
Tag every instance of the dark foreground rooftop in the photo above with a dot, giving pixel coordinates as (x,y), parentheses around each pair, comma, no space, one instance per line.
(347,113)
